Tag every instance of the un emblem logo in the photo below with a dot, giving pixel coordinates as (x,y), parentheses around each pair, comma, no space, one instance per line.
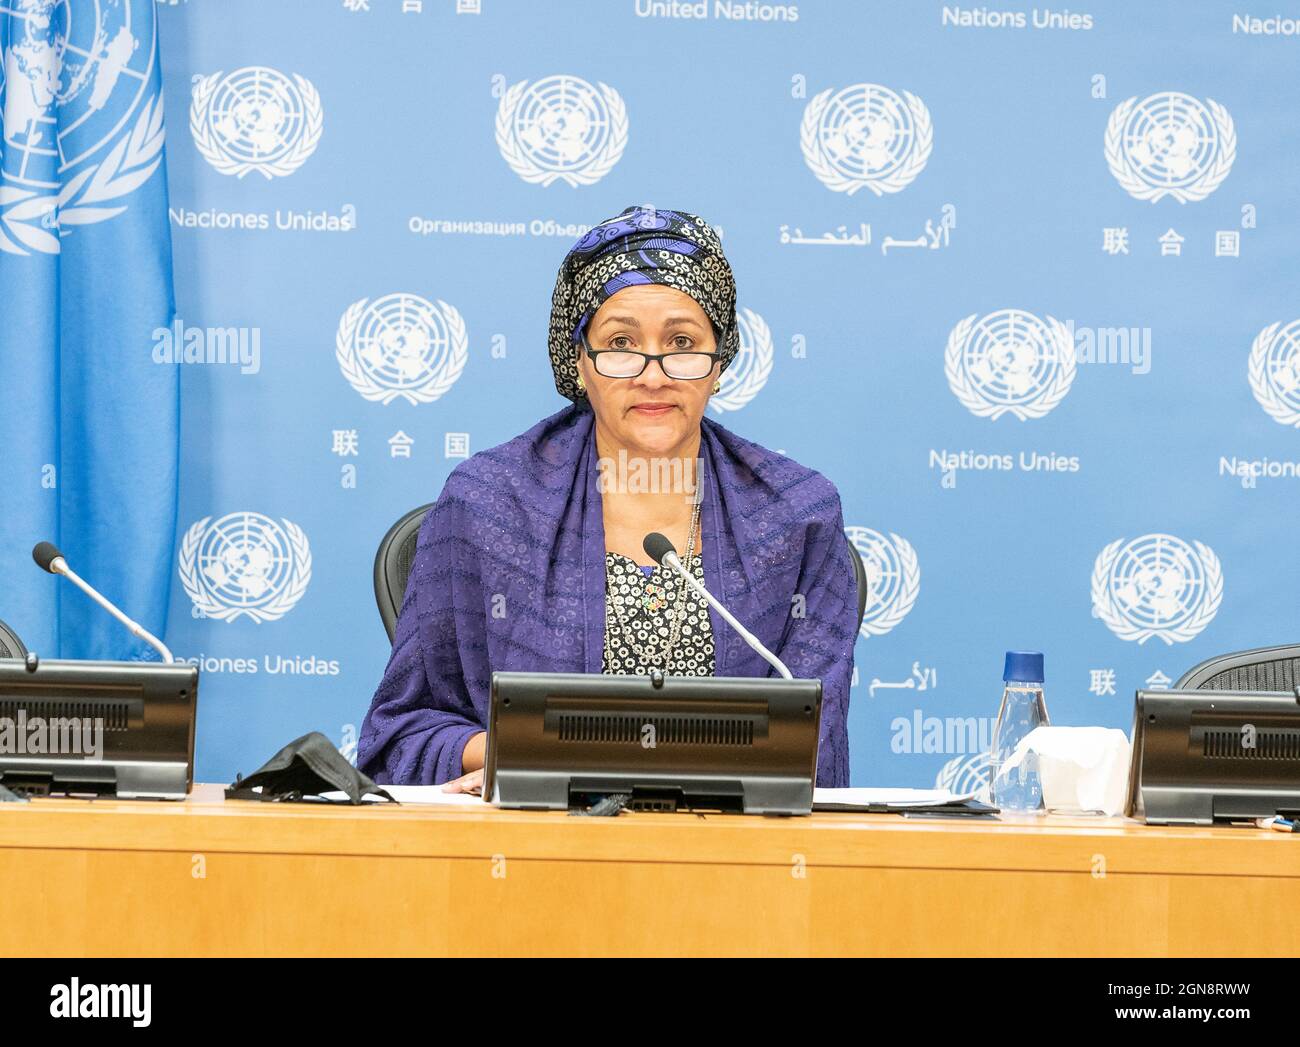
(749,371)
(1274,371)
(1156,585)
(82,112)
(561,127)
(1009,362)
(255,119)
(401,345)
(893,578)
(1170,144)
(244,564)
(866,136)
(965,775)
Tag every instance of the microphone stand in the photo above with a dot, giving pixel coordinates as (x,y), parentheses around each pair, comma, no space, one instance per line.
(60,566)
(671,559)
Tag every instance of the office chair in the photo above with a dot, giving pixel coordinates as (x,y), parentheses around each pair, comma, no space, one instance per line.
(393,562)
(10,645)
(1263,669)
(396,553)
(860,577)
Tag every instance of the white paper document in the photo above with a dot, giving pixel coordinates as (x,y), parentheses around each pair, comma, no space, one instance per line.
(418,794)
(892,797)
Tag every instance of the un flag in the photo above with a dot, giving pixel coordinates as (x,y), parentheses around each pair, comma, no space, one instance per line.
(88,422)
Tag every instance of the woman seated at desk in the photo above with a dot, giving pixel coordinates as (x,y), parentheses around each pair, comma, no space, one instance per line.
(532,558)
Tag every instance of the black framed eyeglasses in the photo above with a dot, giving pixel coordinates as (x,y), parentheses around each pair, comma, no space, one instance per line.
(684,365)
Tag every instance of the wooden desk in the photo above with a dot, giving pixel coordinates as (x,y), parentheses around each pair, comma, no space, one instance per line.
(210,877)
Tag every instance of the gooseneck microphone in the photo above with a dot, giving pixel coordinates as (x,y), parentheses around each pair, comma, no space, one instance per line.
(48,558)
(661,550)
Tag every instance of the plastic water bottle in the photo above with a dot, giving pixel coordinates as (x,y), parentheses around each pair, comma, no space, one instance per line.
(1021,711)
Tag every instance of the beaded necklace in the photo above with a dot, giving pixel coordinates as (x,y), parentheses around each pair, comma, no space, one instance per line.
(654,604)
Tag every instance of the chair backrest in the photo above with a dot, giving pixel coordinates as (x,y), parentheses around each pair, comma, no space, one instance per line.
(1264,669)
(10,645)
(396,553)
(860,576)
(393,562)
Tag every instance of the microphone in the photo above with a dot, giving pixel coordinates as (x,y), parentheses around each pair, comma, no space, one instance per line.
(48,558)
(661,550)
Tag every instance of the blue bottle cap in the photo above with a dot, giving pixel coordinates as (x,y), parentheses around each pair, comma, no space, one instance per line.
(1024,667)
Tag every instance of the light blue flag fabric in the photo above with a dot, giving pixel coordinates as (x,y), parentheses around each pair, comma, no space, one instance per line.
(89,423)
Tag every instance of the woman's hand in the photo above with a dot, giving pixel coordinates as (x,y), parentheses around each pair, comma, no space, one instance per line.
(471,762)
(475,752)
(471,783)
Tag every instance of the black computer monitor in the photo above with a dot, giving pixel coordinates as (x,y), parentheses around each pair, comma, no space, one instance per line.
(145,717)
(1206,756)
(741,744)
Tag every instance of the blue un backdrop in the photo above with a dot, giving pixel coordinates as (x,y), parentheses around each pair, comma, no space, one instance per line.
(1020,280)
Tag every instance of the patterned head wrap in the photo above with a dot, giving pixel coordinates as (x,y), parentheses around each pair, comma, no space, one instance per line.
(640,246)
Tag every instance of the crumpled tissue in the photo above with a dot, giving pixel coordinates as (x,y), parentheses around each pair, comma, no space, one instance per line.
(1082,769)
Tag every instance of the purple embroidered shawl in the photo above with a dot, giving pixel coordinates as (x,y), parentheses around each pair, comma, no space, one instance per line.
(509,574)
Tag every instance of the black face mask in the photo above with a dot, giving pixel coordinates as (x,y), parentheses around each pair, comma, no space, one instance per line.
(307,766)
